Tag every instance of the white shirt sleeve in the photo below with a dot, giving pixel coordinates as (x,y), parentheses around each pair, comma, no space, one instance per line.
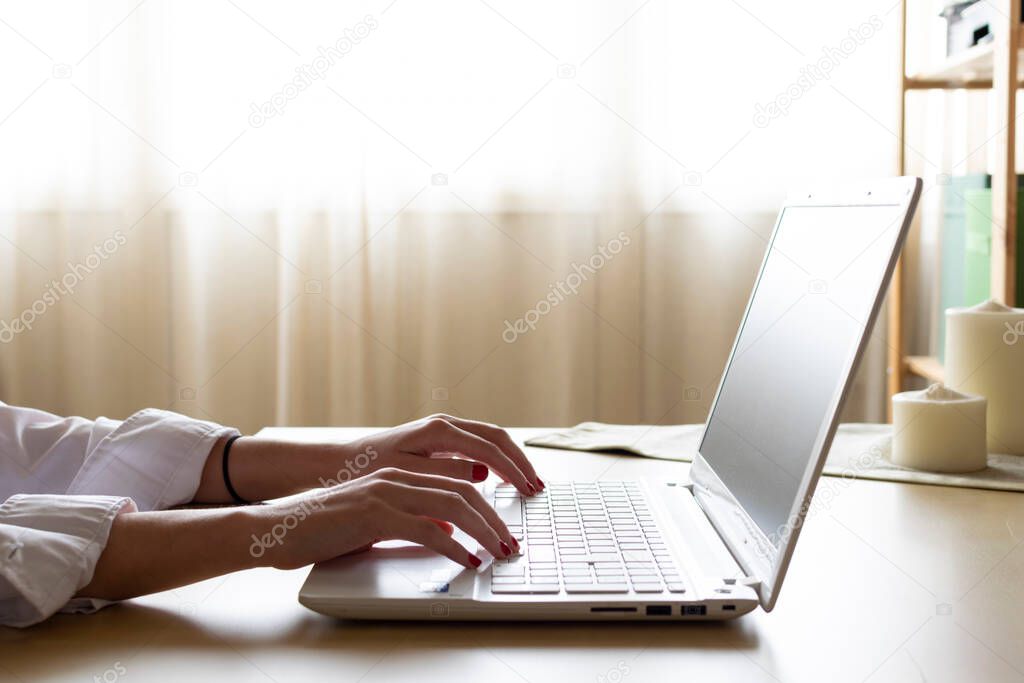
(49,546)
(64,479)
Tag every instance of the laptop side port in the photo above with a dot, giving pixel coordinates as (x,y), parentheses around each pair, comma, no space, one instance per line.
(659,610)
(728,608)
(621,610)
(694,610)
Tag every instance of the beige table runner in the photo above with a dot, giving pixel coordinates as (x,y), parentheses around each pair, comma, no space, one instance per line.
(859,450)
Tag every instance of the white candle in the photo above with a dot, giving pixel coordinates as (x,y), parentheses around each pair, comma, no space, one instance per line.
(939,430)
(985,356)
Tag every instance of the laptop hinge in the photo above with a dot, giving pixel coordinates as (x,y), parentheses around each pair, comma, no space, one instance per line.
(746,580)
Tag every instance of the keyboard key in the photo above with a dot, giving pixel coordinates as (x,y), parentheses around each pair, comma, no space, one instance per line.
(543,580)
(636,556)
(648,588)
(675,587)
(604,557)
(540,553)
(510,580)
(572,571)
(509,510)
(534,588)
(507,570)
(597,588)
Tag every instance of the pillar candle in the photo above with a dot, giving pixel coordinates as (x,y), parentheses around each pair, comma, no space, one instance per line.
(985,356)
(939,430)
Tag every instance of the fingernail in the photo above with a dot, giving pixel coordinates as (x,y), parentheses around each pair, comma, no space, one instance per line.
(540,483)
(531,488)
(479,472)
(515,544)
(504,548)
(474,560)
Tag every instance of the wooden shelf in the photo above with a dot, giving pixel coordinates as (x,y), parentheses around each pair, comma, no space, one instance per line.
(928,367)
(971,69)
(995,66)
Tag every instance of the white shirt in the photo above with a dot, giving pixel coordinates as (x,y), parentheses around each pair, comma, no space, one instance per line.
(63,480)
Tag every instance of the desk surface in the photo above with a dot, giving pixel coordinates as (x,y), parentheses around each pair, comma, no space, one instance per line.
(890,582)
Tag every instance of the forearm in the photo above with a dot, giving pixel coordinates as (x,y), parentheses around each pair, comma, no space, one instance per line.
(148,552)
(261,469)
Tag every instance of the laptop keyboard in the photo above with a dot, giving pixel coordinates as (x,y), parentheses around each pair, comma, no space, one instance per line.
(584,537)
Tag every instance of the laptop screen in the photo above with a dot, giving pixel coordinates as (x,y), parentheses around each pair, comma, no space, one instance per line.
(804,323)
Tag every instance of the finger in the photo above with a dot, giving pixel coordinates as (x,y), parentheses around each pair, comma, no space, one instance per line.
(446,437)
(445,526)
(449,506)
(469,493)
(455,468)
(408,527)
(500,438)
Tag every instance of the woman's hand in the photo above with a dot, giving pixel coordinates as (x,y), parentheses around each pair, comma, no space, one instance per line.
(154,551)
(447,446)
(443,445)
(389,504)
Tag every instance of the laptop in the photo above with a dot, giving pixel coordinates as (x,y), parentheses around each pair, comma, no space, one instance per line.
(715,543)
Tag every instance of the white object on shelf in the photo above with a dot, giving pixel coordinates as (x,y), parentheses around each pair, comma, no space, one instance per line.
(939,430)
(985,356)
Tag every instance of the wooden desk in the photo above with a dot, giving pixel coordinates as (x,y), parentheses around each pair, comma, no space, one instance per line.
(891,582)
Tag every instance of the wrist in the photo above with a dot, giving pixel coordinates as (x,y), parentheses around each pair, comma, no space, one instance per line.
(256,530)
(348,461)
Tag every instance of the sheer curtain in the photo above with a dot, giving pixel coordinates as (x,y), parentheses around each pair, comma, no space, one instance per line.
(358,213)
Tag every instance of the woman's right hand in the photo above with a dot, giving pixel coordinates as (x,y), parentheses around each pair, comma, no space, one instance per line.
(388,504)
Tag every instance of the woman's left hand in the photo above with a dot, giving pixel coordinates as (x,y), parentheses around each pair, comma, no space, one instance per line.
(441,445)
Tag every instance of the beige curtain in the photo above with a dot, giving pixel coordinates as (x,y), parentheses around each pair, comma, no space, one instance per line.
(359,255)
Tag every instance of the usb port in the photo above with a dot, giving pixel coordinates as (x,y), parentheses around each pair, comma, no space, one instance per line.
(728,608)
(659,610)
(694,610)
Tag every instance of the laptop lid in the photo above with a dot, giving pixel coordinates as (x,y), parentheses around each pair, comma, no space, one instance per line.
(815,299)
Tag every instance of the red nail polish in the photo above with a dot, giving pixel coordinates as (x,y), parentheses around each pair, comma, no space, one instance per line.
(540,484)
(515,543)
(479,472)
(531,488)
(504,548)
(474,560)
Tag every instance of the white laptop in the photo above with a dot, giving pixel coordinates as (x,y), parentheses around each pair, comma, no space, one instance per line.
(716,543)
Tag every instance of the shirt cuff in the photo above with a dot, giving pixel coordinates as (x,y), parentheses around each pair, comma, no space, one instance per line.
(50,546)
(154,456)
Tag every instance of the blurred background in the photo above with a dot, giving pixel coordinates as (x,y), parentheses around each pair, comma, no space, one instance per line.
(323,213)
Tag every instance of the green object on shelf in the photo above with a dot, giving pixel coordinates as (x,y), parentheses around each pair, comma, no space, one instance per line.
(965,277)
(952,286)
(977,246)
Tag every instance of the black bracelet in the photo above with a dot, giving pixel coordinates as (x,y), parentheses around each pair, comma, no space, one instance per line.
(227,477)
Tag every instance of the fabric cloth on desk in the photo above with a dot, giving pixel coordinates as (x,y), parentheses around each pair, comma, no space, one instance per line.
(859,450)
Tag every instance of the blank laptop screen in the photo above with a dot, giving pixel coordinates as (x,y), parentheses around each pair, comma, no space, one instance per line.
(805,321)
